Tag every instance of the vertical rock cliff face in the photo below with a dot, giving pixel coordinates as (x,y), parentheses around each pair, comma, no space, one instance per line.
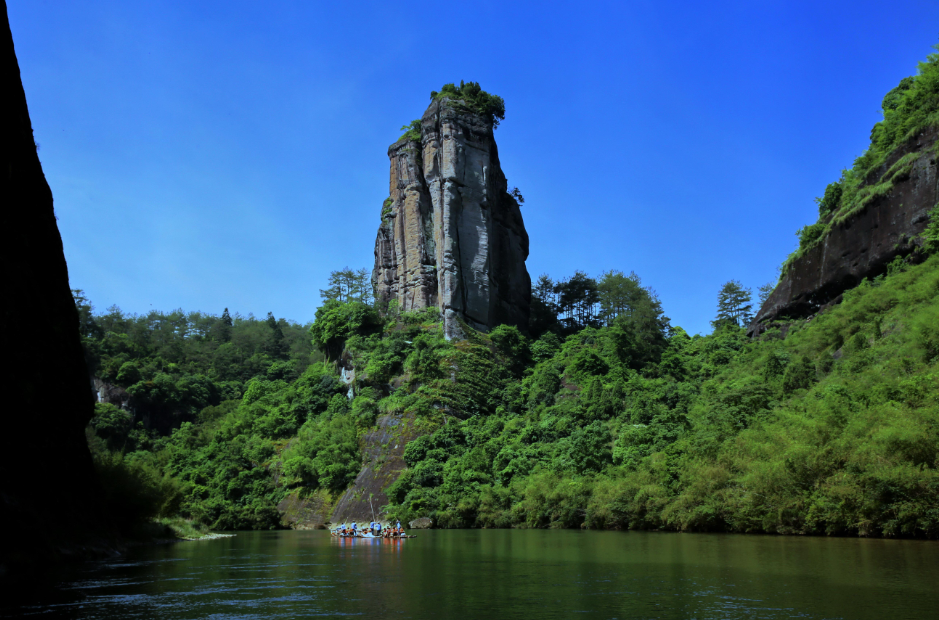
(48,488)
(864,243)
(451,236)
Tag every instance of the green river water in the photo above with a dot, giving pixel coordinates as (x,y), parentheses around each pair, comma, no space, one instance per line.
(493,574)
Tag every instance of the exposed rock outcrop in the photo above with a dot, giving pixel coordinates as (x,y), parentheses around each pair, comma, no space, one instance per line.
(451,235)
(383,448)
(111,394)
(49,496)
(865,243)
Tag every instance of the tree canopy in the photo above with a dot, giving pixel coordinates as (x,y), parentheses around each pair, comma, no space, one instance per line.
(475,98)
(733,305)
(348,285)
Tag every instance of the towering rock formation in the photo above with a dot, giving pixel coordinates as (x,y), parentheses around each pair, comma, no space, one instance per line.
(451,236)
(864,243)
(49,495)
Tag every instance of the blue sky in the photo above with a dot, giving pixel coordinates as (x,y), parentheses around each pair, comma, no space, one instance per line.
(205,155)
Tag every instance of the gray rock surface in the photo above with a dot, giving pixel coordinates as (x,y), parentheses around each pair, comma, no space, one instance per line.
(424,523)
(451,236)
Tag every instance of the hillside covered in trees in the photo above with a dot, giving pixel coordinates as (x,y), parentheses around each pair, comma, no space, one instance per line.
(626,422)
(602,415)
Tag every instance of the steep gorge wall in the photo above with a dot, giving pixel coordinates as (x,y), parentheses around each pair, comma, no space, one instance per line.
(451,236)
(48,489)
(865,242)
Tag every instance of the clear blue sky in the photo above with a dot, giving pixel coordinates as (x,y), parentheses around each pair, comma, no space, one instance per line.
(205,155)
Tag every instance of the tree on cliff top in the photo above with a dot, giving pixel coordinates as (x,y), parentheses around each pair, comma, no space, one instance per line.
(278,348)
(476,99)
(336,321)
(346,285)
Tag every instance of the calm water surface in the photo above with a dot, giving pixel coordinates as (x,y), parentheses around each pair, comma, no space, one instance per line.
(490,574)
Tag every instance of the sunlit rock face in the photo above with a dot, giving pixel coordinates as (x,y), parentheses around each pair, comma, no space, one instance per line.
(865,243)
(451,236)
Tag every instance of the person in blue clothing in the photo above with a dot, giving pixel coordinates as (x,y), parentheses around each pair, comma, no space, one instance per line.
(377,528)
(355,528)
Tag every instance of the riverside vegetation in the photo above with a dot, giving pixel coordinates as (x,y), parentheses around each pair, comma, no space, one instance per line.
(605,416)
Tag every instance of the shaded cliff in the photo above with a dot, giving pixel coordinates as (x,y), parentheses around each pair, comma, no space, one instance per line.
(49,490)
(875,213)
(451,235)
(864,243)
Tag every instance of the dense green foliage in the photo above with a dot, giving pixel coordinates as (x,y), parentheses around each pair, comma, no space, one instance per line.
(566,306)
(629,423)
(201,410)
(931,234)
(625,423)
(908,109)
(475,99)
(733,306)
(175,364)
(831,430)
(412,131)
(348,285)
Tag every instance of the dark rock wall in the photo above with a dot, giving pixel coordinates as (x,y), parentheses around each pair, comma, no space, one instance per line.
(48,488)
(863,245)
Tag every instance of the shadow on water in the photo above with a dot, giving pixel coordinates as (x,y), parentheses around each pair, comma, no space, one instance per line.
(504,574)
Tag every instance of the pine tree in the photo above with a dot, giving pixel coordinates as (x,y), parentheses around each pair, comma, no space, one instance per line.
(225,325)
(733,305)
(347,285)
(578,298)
(544,313)
(277,346)
(620,294)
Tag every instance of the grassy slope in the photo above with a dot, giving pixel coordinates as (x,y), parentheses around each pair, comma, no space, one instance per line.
(854,450)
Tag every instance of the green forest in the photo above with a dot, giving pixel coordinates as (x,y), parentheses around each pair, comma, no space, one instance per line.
(602,415)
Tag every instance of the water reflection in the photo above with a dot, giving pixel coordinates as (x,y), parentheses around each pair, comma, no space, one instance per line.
(508,574)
